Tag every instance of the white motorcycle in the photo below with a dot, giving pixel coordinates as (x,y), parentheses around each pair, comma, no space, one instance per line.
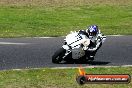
(75,46)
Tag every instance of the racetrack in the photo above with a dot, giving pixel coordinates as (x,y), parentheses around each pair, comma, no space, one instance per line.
(16,53)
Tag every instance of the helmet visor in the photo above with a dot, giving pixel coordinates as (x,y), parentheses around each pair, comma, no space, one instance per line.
(92,33)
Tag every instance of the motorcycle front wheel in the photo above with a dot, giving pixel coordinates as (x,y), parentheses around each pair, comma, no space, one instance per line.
(57,57)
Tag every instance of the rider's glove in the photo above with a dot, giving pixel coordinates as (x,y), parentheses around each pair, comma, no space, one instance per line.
(85,48)
(94,48)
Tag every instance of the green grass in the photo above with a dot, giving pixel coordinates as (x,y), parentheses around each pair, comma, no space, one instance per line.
(57,78)
(30,19)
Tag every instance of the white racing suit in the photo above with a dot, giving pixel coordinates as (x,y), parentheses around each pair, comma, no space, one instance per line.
(95,43)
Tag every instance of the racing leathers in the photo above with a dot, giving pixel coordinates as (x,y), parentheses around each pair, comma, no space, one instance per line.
(95,43)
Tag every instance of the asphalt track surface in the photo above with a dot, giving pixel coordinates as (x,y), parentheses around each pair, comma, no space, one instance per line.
(17,53)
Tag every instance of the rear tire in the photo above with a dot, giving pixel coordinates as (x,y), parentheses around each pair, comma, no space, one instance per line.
(57,57)
(90,59)
(83,59)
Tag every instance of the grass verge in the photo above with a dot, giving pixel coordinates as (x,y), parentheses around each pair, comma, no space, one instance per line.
(57,78)
(30,18)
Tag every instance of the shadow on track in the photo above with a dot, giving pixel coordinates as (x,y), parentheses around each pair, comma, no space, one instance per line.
(87,62)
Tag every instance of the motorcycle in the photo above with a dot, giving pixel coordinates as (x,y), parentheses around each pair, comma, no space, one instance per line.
(75,46)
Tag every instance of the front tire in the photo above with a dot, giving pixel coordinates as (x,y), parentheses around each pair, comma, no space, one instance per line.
(57,57)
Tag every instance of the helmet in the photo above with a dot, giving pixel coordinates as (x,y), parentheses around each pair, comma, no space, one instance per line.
(92,30)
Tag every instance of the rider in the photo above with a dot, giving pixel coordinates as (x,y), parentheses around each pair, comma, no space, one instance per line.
(94,34)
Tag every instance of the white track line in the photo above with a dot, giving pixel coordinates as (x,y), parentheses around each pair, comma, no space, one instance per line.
(64,36)
(11,43)
(127,65)
(27,68)
(44,37)
(116,35)
(90,67)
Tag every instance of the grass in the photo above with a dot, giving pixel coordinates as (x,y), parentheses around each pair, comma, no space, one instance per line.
(57,78)
(58,17)
(30,18)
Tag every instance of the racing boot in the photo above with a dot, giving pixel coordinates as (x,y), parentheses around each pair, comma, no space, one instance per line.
(91,57)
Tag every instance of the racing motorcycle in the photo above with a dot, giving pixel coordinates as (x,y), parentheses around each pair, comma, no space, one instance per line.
(75,46)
